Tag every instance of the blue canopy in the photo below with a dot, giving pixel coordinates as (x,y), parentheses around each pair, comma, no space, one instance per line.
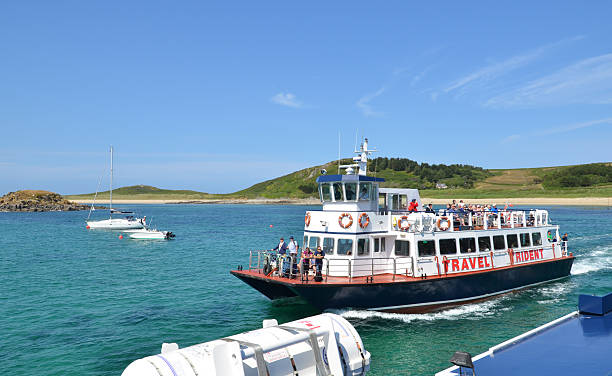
(347,178)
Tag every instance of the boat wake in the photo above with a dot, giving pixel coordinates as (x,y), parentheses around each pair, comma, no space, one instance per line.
(599,259)
(468,311)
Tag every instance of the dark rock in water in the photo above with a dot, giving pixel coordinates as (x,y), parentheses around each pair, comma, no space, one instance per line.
(37,201)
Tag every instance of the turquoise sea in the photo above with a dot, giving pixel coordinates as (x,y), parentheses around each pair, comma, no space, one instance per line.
(78,302)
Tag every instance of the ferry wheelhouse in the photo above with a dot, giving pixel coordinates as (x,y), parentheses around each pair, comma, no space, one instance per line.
(380,256)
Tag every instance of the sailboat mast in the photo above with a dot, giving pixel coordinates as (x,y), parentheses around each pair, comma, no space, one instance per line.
(111,182)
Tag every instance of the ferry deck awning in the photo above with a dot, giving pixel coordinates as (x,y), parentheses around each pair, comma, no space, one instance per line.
(577,344)
(348,178)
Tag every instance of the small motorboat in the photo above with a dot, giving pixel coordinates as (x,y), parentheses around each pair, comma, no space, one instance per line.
(151,234)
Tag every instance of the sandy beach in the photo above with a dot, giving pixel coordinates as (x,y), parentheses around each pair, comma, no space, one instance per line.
(577,201)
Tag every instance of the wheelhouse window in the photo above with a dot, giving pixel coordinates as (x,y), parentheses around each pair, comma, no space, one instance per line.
(467,245)
(338,192)
(484,243)
(402,248)
(328,246)
(499,242)
(351,191)
(525,240)
(325,193)
(537,238)
(512,241)
(313,243)
(448,247)
(345,247)
(426,248)
(365,191)
(382,201)
(363,247)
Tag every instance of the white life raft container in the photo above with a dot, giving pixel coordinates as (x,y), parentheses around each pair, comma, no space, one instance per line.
(325,344)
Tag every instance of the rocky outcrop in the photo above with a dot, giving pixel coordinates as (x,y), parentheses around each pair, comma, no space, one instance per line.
(37,201)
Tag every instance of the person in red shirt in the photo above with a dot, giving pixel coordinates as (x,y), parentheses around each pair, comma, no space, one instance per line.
(413,205)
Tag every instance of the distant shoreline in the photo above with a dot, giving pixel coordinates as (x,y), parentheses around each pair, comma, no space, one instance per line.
(574,201)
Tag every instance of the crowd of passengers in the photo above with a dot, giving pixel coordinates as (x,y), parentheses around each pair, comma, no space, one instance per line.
(288,253)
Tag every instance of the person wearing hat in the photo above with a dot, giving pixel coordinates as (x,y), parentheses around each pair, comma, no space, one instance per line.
(293,247)
(281,247)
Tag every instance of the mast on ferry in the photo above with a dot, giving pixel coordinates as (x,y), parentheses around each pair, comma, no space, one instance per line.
(361,160)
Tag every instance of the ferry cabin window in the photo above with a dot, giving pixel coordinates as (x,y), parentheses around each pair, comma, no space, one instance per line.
(313,243)
(325,192)
(467,245)
(382,201)
(338,195)
(512,241)
(345,246)
(305,241)
(498,242)
(427,248)
(525,240)
(402,248)
(537,238)
(363,247)
(328,246)
(448,247)
(379,245)
(365,191)
(351,191)
(484,244)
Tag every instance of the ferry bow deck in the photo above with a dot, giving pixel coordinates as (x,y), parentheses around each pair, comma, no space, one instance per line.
(577,344)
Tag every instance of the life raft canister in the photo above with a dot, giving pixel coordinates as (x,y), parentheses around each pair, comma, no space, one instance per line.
(400,223)
(364,220)
(341,222)
(443,220)
(307,219)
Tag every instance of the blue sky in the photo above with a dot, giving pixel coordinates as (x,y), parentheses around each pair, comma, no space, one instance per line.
(218,96)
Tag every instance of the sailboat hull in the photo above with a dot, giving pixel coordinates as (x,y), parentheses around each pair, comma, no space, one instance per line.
(115,224)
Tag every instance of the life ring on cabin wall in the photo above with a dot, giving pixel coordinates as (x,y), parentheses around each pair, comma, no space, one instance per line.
(363,223)
(307,219)
(401,221)
(341,218)
(440,221)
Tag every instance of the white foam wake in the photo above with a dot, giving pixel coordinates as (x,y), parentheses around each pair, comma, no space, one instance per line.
(599,259)
(467,311)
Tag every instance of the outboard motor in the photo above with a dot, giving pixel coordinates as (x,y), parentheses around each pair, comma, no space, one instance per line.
(325,344)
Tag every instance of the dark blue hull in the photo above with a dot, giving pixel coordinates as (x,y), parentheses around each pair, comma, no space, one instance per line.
(428,294)
(417,295)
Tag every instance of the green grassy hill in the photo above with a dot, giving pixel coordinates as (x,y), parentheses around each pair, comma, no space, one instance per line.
(590,180)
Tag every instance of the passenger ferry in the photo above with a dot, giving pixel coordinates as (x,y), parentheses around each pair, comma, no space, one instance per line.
(380,256)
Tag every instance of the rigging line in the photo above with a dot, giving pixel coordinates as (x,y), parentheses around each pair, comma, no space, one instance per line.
(95,196)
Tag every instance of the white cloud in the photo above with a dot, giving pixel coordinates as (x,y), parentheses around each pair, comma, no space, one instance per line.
(511,138)
(287,99)
(496,70)
(587,81)
(572,127)
(364,103)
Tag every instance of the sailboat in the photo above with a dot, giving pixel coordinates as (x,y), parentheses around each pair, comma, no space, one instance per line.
(124,220)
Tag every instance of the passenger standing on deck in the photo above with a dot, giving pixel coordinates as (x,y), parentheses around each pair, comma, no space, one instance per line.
(564,242)
(293,247)
(281,247)
(413,205)
(306,256)
(318,256)
(429,209)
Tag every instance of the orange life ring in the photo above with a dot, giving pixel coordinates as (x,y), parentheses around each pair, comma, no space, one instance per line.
(364,223)
(447,224)
(399,223)
(307,219)
(342,216)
